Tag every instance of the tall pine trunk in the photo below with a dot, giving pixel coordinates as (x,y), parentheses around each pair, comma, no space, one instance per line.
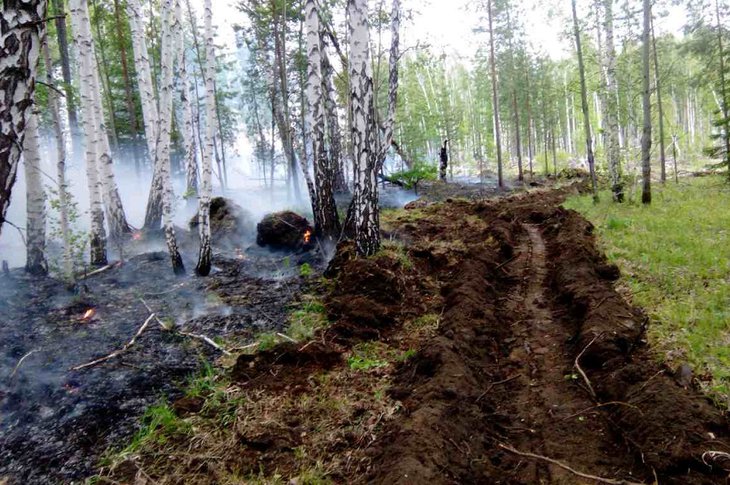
(660,107)
(495,95)
(205,254)
(646,104)
(35,200)
(366,217)
(584,105)
(22,28)
(613,145)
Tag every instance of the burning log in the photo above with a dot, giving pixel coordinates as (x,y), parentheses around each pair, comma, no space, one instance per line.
(285,231)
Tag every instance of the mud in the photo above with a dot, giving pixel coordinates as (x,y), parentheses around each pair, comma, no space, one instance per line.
(532,370)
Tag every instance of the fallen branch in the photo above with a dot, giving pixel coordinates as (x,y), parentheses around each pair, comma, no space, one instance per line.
(562,465)
(20,362)
(286,337)
(578,368)
(205,339)
(99,271)
(120,351)
(610,403)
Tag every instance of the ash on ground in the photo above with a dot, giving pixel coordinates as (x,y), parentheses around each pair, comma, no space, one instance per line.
(55,422)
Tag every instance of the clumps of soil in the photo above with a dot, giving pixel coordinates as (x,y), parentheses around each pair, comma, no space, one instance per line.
(670,427)
(229,222)
(285,231)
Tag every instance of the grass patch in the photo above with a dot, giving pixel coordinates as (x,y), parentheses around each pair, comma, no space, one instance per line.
(368,355)
(675,260)
(306,318)
(396,250)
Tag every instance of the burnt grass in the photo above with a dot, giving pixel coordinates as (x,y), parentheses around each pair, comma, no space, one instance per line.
(55,423)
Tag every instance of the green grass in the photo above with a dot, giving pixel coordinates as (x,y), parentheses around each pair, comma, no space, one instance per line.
(675,260)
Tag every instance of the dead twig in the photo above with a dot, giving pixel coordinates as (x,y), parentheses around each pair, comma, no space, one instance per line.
(205,339)
(120,351)
(20,362)
(714,455)
(562,465)
(493,384)
(583,374)
(286,337)
(610,403)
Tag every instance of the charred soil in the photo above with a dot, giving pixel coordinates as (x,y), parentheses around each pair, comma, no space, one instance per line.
(484,344)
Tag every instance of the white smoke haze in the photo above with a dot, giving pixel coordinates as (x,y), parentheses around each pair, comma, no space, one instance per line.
(244,187)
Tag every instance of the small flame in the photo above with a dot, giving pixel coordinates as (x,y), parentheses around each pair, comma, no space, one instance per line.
(137,236)
(307,236)
(89,314)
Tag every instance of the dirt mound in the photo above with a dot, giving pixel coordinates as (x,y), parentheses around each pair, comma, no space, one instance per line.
(229,222)
(286,231)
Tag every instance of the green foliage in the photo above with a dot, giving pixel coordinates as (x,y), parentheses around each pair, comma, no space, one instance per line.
(159,424)
(305,270)
(414,176)
(309,317)
(396,250)
(366,356)
(674,259)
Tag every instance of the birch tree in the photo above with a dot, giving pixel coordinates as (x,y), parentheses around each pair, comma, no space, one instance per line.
(366,218)
(187,129)
(35,201)
(646,104)
(22,24)
(167,55)
(97,234)
(613,147)
(205,254)
(326,220)
(89,82)
(63,195)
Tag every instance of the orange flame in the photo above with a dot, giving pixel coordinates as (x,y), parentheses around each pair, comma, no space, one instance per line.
(307,236)
(137,236)
(89,314)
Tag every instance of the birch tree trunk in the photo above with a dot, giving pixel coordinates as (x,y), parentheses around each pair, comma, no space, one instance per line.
(144,76)
(187,129)
(495,95)
(116,218)
(584,105)
(35,200)
(646,104)
(205,254)
(167,55)
(62,37)
(97,235)
(333,122)
(63,196)
(21,28)
(392,83)
(129,95)
(723,89)
(326,220)
(613,143)
(365,193)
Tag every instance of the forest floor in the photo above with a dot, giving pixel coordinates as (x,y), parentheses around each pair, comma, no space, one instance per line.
(485,343)
(57,421)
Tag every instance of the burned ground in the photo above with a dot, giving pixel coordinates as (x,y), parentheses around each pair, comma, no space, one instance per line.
(55,422)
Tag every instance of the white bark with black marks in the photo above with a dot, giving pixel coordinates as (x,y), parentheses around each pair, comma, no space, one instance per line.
(97,235)
(646,105)
(21,29)
(187,129)
(364,138)
(167,55)
(35,200)
(613,144)
(205,254)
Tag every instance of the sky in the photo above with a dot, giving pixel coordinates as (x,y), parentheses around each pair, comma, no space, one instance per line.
(447,25)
